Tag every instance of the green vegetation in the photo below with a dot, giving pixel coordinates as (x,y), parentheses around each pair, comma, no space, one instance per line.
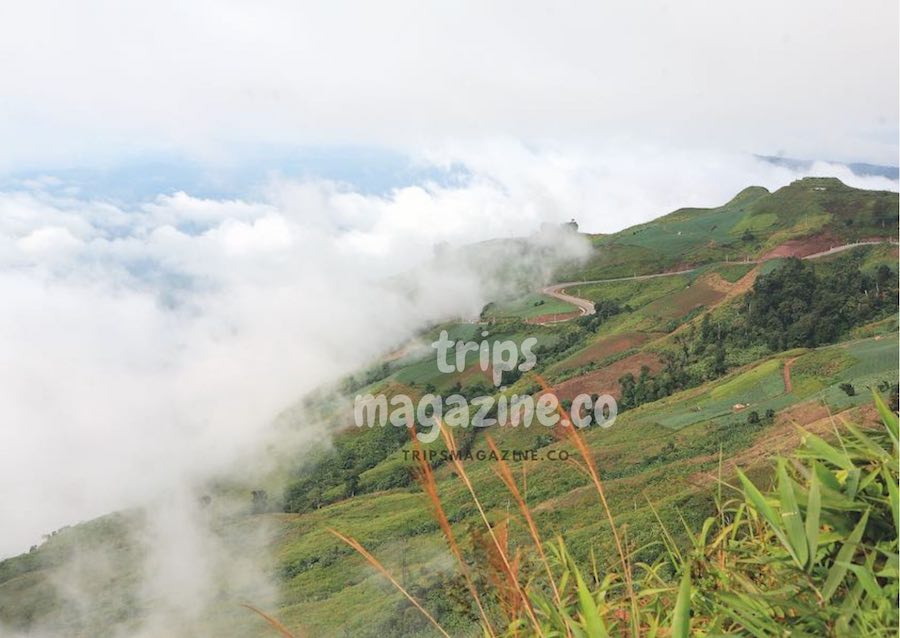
(748,226)
(795,305)
(816,555)
(529,307)
(800,305)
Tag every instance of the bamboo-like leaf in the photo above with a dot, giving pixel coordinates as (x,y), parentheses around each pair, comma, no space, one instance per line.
(891,568)
(866,444)
(681,618)
(828,452)
(758,501)
(791,517)
(593,623)
(894,496)
(842,560)
(813,513)
(851,487)
(826,478)
(864,575)
(887,416)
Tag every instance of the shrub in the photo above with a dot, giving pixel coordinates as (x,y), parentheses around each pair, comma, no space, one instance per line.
(848,389)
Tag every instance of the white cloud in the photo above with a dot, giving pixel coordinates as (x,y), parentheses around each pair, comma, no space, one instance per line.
(152,345)
(94,81)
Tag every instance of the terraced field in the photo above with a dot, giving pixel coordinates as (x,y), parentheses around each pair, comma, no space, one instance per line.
(530,307)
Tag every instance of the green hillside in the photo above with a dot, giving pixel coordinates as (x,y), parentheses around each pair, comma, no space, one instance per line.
(714,370)
(821,211)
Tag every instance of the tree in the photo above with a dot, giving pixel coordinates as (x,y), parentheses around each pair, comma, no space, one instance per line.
(848,389)
(753,418)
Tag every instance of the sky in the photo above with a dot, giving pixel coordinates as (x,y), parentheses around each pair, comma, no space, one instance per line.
(200,201)
(96,81)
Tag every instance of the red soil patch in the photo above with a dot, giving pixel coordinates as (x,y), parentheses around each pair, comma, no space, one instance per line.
(608,346)
(715,281)
(678,304)
(786,372)
(558,317)
(802,247)
(473,374)
(606,380)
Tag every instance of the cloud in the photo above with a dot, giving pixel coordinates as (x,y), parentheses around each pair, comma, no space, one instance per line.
(96,83)
(154,344)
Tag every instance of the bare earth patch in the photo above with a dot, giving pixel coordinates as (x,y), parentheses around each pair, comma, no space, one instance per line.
(607,346)
(785,434)
(606,380)
(557,317)
(802,247)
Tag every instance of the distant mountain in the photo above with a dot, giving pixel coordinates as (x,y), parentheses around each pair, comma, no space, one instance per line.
(858,168)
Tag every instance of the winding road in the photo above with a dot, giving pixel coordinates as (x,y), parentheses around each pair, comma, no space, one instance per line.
(586,306)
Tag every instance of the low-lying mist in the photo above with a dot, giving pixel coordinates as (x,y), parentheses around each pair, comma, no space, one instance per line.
(154,347)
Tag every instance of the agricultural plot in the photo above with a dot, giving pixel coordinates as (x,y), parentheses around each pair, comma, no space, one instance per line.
(611,260)
(635,293)
(675,238)
(733,272)
(678,304)
(530,307)
(816,374)
(602,348)
(761,387)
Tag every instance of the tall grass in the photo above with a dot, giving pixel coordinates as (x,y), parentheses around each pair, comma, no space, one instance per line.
(814,555)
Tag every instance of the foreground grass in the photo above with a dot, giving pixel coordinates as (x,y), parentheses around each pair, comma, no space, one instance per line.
(816,554)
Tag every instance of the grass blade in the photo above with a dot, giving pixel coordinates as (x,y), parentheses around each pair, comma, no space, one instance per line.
(758,501)
(842,561)
(813,513)
(890,419)
(791,517)
(275,624)
(681,618)
(362,551)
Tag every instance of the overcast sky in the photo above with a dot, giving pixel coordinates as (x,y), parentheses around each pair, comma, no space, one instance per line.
(95,81)
(197,199)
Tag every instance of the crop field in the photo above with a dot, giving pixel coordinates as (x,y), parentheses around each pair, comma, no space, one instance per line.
(675,305)
(531,306)
(635,293)
(754,388)
(733,272)
(425,372)
(611,260)
(602,348)
(674,238)
(606,379)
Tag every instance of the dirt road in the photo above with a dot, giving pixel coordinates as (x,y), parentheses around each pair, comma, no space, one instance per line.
(586,307)
(786,372)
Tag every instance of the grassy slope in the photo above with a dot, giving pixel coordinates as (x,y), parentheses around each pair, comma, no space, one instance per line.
(809,207)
